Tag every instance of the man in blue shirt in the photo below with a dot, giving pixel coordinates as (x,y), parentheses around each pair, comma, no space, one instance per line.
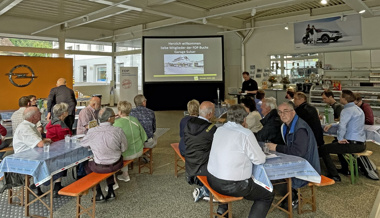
(147,119)
(351,135)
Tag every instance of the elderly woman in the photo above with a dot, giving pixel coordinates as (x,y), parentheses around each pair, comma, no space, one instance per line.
(134,132)
(193,109)
(3,142)
(254,117)
(56,128)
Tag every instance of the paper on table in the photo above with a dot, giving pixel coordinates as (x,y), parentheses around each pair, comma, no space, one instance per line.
(78,136)
(243,93)
(269,156)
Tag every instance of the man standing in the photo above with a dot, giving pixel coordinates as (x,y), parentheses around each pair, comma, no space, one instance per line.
(271,123)
(328,98)
(368,113)
(310,115)
(198,136)
(147,119)
(107,144)
(299,141)
(88,117)
(249,85)
(351,136)
(59,94)
(234,150)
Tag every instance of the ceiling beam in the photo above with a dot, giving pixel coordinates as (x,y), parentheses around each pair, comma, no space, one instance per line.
(359,5)
(7,5)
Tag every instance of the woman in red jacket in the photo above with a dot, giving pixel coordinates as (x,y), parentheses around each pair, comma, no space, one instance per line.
(3,143)
(56,128)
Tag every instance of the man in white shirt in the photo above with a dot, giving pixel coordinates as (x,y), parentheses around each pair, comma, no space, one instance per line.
(26,135)
(234,150)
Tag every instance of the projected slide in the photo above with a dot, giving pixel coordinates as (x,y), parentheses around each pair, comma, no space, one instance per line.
(185,59)
(184,64)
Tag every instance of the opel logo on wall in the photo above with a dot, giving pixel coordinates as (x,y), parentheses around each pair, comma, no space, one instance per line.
(13,77)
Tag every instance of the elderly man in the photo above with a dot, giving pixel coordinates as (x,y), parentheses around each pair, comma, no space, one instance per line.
(309,114)
(328,98)
(88,117)
(351,136)
(271,123)
(198,135)
(299,141)
(107,144)
(368,113)
(59,94)
(27,136)
(234,150)
(147,119)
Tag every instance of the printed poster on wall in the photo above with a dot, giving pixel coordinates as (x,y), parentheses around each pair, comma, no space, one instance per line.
(337,31)
(128,84)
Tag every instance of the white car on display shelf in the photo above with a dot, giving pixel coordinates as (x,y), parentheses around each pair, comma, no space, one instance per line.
(323,35)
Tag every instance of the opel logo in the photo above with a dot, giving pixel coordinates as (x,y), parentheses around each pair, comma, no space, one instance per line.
(14,76)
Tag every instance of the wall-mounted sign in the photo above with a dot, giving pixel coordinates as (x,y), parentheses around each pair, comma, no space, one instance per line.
(16,77)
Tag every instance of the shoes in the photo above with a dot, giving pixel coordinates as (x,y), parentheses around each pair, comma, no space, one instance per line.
(110,196)
(125,179)
(335,178)
(99,198)
(36,190)
(284,203)
(115,186)
(221,211)
(197,195)
(344,172)
(146,160)
(207,198)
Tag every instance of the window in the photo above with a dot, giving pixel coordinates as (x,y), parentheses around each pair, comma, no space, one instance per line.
(101,73)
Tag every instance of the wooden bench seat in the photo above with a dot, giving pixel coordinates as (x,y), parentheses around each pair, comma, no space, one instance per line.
(312,200)
(83,185)
(148,152)
(177,157)
(352,160)
(7,149)
(224,199)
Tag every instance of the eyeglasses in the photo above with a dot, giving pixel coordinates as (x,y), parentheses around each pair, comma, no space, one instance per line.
(284,112)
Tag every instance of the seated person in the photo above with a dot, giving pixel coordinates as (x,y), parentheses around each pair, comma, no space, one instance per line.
(234,150)
(32,100)
(290,94)
(271,131)
(17,116)
(3,142)
(56,129)
(134,132)
(28,137)
(299,141)
(351,136)
(107,144)
(310,115)
(147,119)
(254,117)
(328,98)
(259,100)
(193,109)
(198,135)
(368,113)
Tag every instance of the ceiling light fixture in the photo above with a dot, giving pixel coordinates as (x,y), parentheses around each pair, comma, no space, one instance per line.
(323,2)
(286,27)
(362,11)
(204,20)
(253,12)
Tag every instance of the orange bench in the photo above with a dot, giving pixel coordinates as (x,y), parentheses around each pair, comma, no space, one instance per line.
(81,187)
(149,154)
(220,198)
(312,200)
(177,158)
(7,149)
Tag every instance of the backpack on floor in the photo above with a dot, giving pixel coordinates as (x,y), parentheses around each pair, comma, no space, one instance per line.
(368,167)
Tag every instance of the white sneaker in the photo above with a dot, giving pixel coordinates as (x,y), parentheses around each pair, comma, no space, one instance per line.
(115,186)
(207,198)
(125,179)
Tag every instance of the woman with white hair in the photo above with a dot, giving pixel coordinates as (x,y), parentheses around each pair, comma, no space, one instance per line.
(56,128)
(134,132)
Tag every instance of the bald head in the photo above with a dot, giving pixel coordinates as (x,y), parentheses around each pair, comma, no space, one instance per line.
(207,110)
(32,114)
(95,103)
(61,81)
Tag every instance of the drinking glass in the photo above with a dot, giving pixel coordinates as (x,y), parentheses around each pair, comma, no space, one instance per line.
(46,147)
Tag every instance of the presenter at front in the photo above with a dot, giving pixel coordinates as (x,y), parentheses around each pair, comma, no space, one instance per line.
(249,85)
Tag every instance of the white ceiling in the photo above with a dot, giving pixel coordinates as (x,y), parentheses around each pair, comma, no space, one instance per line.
(108,20)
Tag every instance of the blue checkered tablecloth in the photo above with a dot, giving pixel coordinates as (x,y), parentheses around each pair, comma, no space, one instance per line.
(43,165)
(281,167)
